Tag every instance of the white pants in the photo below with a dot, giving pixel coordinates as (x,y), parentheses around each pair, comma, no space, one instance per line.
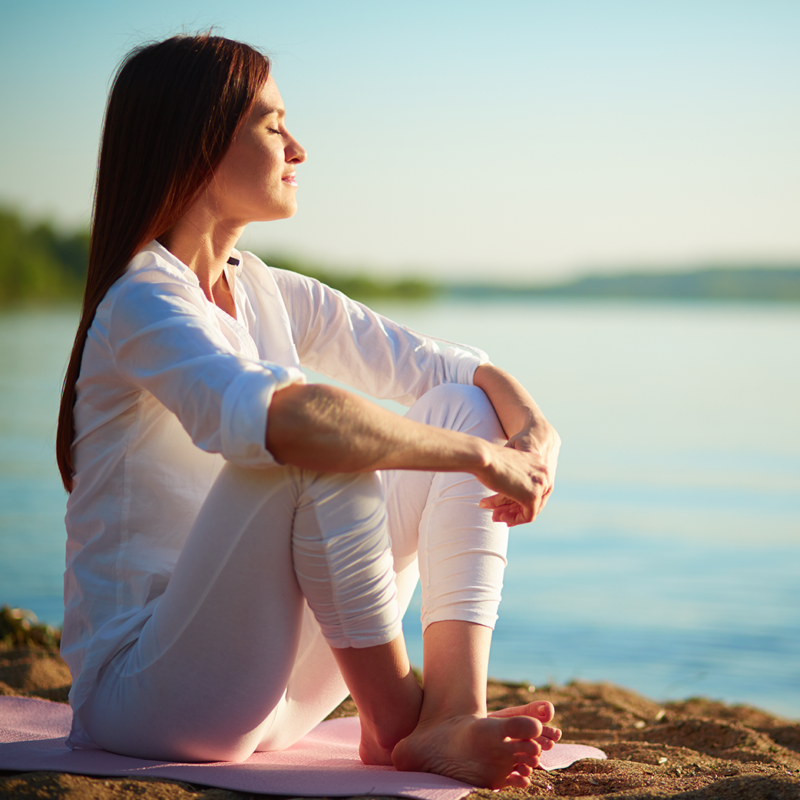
(281,565)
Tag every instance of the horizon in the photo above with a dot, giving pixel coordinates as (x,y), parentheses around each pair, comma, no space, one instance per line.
(502,285)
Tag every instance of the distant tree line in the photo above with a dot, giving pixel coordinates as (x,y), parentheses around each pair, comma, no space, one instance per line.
(40,264)
(750,283)
(730,283)
(359,287)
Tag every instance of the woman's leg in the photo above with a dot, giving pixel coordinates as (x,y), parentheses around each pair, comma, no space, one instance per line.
(461,560)
(438,529)
(462,556)
(232,660)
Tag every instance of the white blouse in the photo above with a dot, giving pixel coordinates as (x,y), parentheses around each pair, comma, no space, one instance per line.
(170,388)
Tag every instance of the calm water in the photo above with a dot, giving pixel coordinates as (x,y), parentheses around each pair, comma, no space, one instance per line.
(668,559)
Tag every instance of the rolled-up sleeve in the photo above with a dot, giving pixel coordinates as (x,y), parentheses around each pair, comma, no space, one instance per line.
(164,340)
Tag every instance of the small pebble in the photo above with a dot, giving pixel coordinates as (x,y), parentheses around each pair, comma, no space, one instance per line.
(638,724)
(662,760)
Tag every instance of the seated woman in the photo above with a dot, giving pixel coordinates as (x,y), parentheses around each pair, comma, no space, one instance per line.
(242,545)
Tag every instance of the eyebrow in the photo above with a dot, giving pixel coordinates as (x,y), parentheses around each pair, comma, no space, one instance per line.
(281,112)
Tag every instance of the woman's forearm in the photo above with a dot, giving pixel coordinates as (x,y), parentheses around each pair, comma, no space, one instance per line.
(528,432)
(514,406)
(327,429)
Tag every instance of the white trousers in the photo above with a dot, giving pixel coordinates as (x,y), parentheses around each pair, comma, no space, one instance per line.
(281,565)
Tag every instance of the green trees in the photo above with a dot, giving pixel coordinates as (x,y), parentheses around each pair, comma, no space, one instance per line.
(360,286)
(37,263)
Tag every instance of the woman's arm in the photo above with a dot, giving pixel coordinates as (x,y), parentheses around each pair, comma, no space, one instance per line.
(360,348)
(325,428)
(527,430)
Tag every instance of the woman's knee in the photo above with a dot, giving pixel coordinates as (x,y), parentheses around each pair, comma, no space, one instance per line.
(459,407)
(343,559)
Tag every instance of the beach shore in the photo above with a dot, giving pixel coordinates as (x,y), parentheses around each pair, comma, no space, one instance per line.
(696,749)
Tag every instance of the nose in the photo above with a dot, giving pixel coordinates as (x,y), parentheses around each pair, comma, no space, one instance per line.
(295,154)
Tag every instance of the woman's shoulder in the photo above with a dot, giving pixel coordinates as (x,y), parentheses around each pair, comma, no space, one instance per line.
(253,264)
(155,264)
(154,279)
(260,276)
(154,269)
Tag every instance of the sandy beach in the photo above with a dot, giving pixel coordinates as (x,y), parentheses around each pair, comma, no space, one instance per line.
(695,749)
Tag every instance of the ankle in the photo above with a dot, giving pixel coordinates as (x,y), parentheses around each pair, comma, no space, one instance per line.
(389,727)
(441,708)
(456,655)
(461,696)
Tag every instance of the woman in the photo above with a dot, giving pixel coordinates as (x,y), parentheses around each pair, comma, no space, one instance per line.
(242,545)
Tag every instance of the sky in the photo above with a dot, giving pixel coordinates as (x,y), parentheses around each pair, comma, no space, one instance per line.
(512,141)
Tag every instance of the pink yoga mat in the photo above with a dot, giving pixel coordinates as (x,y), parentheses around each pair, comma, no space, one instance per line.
(323,764)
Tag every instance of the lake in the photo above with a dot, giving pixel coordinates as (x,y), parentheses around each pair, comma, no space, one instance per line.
(668,559)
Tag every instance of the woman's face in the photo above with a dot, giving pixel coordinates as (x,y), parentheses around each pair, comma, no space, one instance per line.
(256,179)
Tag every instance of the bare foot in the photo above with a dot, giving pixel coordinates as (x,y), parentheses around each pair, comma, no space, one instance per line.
(541,710)
(493,752)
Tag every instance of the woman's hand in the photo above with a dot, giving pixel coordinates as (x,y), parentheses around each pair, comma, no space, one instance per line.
(327,429)
(523,476)
(534,440)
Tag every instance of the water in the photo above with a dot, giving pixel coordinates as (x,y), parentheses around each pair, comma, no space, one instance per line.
(34,346)
(668,559)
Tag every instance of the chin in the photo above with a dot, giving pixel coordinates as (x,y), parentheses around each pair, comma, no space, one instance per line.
(288,212)
(275,214)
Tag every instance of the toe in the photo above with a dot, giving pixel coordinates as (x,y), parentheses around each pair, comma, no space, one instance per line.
(549,737)
(522,727)
(526,770)
(551,733)
(525,751)
(545,711)
(546,744)
(542,710)
(516,782)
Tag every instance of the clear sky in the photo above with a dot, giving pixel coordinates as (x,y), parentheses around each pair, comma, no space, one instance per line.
(519,140)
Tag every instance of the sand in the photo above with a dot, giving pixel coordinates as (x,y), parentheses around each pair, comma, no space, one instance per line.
(695,749)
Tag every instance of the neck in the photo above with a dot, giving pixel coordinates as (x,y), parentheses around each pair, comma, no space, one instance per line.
(205,247)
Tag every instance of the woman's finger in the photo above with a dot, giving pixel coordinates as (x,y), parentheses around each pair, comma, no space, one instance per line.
(493,501)
(512,513)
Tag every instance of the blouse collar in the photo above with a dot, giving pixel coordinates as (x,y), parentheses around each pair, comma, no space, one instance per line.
(233,269)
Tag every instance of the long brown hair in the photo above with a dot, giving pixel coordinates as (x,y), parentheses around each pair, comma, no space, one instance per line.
(172,113)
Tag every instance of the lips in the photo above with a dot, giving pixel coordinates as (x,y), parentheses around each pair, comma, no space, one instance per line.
(291,180)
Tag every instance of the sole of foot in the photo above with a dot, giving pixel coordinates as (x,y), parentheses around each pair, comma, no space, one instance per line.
(493,752)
